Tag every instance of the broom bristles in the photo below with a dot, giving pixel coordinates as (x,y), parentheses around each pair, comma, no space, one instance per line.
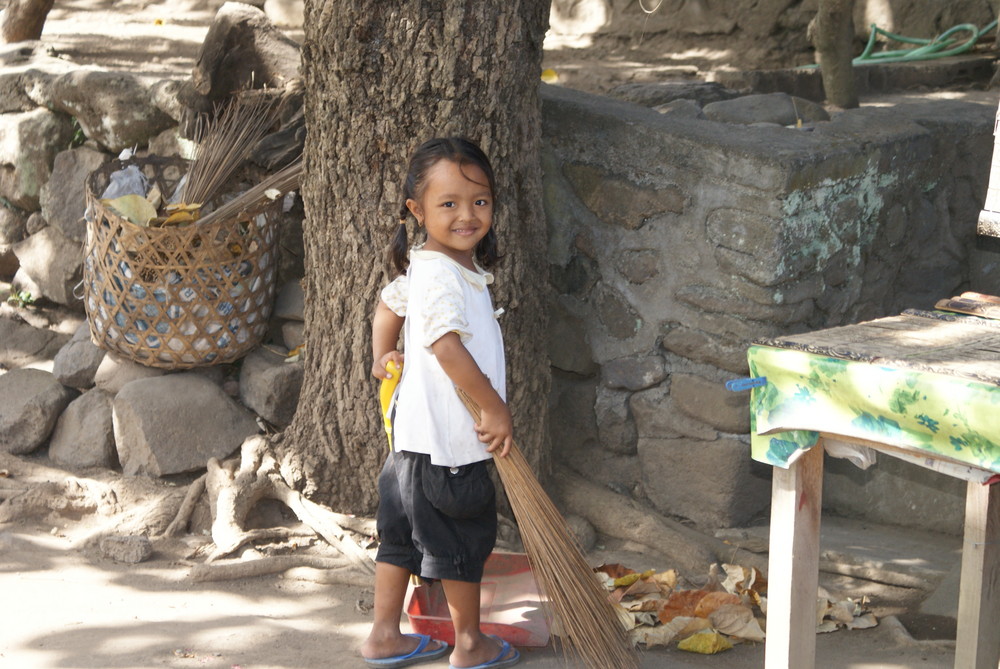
(224,143)
(590,625)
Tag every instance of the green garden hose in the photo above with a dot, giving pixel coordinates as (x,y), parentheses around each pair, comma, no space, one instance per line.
(939,47)
(942,46)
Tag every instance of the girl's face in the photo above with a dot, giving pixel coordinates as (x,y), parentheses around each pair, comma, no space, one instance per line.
(456,208)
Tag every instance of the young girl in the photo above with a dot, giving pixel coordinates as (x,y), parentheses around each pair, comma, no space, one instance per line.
(437,509)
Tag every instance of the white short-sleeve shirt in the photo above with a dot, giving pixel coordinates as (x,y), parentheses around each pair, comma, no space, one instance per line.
(437,296)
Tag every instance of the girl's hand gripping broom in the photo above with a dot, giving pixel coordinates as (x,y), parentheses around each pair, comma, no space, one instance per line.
(589,620)
(385,391)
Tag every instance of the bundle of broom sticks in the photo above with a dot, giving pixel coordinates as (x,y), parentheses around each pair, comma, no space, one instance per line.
(589,623)
(225,141)
(275,185)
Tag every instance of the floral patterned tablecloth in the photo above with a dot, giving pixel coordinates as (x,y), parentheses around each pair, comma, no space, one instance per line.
(918,381)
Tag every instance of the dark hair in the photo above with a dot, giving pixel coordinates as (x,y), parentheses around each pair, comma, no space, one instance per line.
(458,150)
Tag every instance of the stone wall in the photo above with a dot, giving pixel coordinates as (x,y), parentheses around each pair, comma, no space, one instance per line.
(674,242)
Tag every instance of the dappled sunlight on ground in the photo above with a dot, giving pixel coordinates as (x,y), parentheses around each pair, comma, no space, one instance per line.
(78,610)
(984,97)
(701,54)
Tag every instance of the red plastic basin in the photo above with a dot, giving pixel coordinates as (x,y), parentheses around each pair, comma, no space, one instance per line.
(510,604)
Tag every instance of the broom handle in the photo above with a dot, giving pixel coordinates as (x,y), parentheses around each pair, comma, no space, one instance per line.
(477,416)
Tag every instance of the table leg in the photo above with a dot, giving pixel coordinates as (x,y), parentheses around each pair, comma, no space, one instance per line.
(793,562)
(978,643)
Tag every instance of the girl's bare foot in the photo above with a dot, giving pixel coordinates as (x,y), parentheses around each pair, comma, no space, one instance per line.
(400,645)
(488,649)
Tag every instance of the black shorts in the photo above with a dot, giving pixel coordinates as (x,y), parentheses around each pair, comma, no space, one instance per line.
(438,522)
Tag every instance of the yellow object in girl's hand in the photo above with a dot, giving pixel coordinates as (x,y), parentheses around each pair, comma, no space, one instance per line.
(385,392)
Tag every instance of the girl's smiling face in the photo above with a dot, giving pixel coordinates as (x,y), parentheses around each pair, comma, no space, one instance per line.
(456,208)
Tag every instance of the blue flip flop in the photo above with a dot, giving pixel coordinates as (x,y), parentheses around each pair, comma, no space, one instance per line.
(419,654)
(501,659)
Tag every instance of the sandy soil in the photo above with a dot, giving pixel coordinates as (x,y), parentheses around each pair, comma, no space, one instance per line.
(66,606)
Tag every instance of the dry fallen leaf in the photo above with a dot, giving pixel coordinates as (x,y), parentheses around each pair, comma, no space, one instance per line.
(641,587)
(681,603)
(666,581)
(713,600)
(826,626)
(841,612)
(180,218)
(660,635)
(135,208)
(863,622)
(737,620)
(694,626)
(629,579)
(614,570)
(674,628)
(644,619)
(650,604)
(707,643)
(740,580)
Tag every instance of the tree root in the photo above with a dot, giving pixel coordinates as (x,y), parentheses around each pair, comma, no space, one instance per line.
(234,487)
(689,550)
(137,505)
(180,522)
(337,570)
(356,524)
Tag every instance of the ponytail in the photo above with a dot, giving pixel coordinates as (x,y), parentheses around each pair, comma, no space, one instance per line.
(400,243)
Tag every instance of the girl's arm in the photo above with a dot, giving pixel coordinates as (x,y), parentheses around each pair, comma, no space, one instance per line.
(495,427)
(386,326)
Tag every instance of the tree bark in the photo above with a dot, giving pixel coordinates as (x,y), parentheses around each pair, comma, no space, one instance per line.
(833,37)
(23,20)
(380,79)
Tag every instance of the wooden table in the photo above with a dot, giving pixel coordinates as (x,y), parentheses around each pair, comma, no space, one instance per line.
(841,386)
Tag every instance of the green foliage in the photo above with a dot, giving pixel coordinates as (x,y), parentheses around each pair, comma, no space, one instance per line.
(79,137)
(21,298)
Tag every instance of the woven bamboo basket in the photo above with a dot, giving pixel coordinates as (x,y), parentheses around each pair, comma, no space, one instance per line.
(177,297)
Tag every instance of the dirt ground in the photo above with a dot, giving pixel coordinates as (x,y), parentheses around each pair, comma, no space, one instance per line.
(66,606)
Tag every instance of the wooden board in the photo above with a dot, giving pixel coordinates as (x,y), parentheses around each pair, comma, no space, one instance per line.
(967,305)
(793,571)
(978,643)
(920,340)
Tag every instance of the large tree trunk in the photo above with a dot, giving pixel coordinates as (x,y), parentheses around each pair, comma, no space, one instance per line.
(23,20)
(833,37)
(381,77)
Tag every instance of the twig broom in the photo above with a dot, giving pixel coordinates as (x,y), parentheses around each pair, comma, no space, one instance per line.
(588,619)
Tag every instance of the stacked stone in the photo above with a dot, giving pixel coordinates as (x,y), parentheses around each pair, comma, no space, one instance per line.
(98,410)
